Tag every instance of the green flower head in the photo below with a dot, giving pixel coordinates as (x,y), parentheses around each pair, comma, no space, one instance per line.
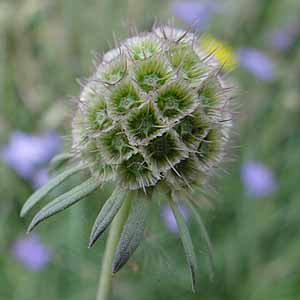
(154,117)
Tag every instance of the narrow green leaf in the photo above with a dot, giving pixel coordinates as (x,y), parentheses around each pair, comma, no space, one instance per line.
(46,189)
(59,160)
(205,236)
(186,242)
(64,201)
(107,213)
(132,234)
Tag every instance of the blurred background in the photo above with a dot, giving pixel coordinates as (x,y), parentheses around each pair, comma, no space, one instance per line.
(252,214)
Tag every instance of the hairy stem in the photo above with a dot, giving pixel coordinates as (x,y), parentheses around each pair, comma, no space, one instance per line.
(106,276)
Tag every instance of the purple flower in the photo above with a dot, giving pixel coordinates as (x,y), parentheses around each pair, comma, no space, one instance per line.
(31,252)
(257,179)
(194,13)
(257,63)
(169,217)
(27,153)
(282,38)
(40,178)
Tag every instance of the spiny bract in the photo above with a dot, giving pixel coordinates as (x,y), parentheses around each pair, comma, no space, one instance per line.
(155,116)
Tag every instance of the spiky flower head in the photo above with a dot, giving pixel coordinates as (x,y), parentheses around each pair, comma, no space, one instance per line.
(155,116)
(153,112)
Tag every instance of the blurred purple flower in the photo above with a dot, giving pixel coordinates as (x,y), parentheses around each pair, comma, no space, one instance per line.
(257,179)
(169,217)
(40,178)
(27,153)
(31,252)
(194,13)
(257,63)
(281,39)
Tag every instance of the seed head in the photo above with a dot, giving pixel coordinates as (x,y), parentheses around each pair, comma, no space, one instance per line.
(155,111)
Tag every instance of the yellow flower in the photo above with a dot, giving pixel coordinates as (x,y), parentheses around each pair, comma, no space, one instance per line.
(223,53)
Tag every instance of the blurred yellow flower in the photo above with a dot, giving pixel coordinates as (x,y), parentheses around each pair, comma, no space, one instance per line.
(223,53)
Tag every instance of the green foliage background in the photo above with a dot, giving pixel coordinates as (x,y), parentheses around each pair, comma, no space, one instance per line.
(44,46)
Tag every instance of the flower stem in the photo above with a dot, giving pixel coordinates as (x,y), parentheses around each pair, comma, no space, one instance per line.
(105,281)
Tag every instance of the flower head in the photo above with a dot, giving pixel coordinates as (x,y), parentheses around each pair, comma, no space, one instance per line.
(31,252)
(155,117)
(152,113)
(282,38)
(26,153)
(194,13)
(257,63)
(257,179)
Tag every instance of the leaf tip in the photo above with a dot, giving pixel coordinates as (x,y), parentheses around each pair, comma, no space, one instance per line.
(22,212)
(33,224)
(94,237)
(91,243)
(116,267)
(29,229)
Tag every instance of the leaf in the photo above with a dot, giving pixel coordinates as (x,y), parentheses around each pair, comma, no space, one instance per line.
(59,160)
(64,201)
(205,236)
(132,234)
(186,242)
(46,189)
(107,213)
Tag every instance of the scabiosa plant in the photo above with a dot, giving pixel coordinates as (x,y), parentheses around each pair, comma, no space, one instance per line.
(155,117)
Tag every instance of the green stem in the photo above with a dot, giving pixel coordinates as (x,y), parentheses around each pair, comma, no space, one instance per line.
(105,282)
